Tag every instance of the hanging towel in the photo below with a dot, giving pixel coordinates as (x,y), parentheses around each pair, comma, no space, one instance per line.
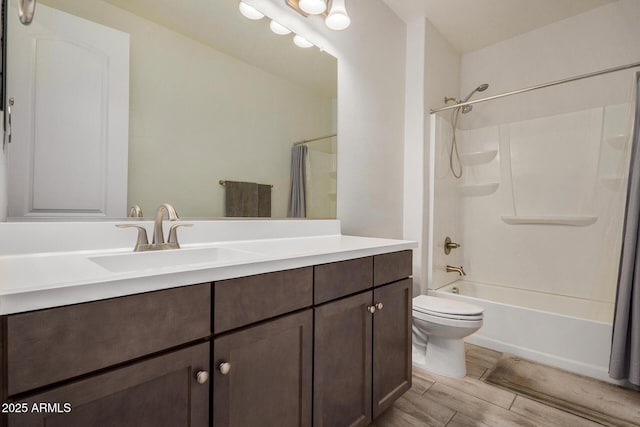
(264,200)
(247,199)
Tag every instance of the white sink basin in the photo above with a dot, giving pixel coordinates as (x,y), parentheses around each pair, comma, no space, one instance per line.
(134,261)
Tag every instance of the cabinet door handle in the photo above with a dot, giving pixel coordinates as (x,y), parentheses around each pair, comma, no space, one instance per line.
(202,377)
(379,306)
(224,368)
(371,309)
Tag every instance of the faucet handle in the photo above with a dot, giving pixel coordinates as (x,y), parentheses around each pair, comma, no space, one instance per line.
(449,244)
(173,234)
(135,212)
(142,240)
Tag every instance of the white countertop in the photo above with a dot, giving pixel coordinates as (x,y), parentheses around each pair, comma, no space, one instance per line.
(37,280)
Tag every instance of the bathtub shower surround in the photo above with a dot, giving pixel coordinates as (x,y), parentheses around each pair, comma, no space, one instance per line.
(551,188)
(625,348)
(539,214)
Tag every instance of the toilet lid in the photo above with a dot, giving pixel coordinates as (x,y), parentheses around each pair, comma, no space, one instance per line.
(444,307)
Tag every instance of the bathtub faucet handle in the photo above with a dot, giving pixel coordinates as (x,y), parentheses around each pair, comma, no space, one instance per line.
(459,270)
(448,245)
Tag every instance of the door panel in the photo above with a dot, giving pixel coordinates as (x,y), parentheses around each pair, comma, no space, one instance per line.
(391,344)
(342,365)
(69,78)
(269,383)
(158,392)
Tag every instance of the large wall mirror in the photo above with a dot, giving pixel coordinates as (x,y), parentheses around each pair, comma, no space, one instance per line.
(211,96)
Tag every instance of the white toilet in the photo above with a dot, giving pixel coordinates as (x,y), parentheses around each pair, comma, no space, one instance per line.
(439,326)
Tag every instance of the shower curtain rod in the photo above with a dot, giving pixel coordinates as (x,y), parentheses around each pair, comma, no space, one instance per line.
(304,141)
(540,86)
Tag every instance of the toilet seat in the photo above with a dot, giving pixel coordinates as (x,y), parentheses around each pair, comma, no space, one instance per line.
(446,308)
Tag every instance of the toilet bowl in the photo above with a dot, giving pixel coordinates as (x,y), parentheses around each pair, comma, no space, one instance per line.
(439,327)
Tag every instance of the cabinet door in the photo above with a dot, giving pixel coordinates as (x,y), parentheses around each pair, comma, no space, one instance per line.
(342,364)
(391,344)
(162,391)
(269,381)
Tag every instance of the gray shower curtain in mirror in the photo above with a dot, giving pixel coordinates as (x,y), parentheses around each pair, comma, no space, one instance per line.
(298,175)
(625,344)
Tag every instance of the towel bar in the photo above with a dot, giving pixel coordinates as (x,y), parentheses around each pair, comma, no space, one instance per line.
(223,182)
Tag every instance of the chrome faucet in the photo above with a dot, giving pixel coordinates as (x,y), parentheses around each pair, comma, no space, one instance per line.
(158,243)
(459,270)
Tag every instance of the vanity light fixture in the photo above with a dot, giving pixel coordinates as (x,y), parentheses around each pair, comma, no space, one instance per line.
(338,19)
(336,14)
(254,14)
(313,7)
(250,11)
(279,28)
(302,42)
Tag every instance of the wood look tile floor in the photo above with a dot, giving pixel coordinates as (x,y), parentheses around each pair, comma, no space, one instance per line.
(435,400)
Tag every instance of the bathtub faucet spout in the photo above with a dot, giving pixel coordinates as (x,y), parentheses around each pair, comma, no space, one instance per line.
(458,270)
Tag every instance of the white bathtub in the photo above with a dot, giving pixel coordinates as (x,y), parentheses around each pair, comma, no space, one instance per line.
(569,333)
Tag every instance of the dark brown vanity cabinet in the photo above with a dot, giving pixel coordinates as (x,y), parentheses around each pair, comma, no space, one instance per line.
(262,355)
(139,360)
(362,342)
(326,345)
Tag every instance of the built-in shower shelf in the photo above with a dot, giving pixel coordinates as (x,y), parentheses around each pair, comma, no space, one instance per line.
(476,190)
(478,157)
(577,221)
(619,142)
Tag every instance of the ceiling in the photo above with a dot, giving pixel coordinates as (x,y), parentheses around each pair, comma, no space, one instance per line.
(473,24)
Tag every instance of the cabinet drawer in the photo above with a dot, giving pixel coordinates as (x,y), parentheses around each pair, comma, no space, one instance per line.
(158,392)
(51,345)
(246,300)
(342,278)
(390,267)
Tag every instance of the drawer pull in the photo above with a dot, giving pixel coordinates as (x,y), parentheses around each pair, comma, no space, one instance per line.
(371,309)
(224,368)
(379,306)
(202,377)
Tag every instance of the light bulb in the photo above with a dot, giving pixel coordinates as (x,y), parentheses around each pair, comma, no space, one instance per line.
(279,28)
(338,19)
(313,7)
(250,11)
(302,42)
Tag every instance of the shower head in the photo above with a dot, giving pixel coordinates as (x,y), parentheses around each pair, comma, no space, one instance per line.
(481,88)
